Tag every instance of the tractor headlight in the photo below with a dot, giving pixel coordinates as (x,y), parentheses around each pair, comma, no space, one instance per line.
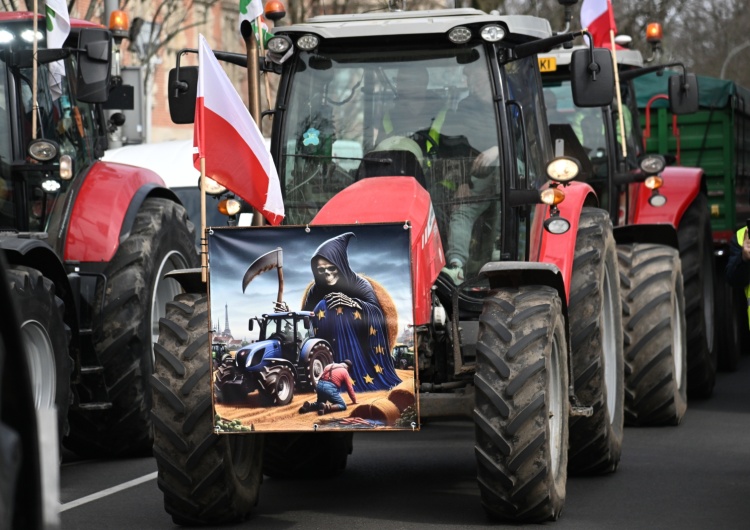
(563,169)
(308,42)
(43,150)
(459,35)
(652,164)
(492,33)
(280,44)
(212,187)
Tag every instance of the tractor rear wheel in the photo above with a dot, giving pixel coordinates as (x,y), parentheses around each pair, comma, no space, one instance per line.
(696,254)
(306,455)
(597,347)
(133,299)
(46,337)
(653,309)
(521,404)
(207,478)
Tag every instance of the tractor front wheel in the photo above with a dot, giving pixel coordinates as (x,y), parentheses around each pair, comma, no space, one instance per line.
(521,405)
(207,478)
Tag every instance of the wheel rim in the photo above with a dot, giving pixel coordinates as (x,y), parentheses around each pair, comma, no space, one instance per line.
(678,354)
(556,407)
(610,345)
(41,358)
(283,387)
(316,369)
(165,289)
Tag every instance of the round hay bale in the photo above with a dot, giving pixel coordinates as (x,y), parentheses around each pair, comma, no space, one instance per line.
(379,410)
(402,398)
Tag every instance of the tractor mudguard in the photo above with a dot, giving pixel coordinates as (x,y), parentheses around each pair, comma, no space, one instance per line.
(558,249)
(395,199)
(105,208)
(681,186)
(307,347)
(38,255)
(660,234)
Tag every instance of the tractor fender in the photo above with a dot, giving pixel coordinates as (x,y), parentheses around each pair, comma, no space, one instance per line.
(307,347)
(519,273)
(37,254)
(559,249)
(660,234)
(105,208)
(681,186)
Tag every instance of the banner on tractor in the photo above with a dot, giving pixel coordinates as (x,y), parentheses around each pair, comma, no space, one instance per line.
(312,328)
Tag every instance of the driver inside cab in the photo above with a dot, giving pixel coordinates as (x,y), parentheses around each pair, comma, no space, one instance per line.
(415,114)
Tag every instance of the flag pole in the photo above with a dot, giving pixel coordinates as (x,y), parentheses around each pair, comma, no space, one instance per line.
(621,118)
(204,249)
(253,89)
(34,88)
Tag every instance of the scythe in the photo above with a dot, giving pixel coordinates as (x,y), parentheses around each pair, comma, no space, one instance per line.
(266,262)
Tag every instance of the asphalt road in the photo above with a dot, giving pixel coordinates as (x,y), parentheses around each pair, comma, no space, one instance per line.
(696,475)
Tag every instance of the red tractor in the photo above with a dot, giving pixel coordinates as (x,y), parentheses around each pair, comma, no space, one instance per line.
(87,242)
(662,229)
(520,329)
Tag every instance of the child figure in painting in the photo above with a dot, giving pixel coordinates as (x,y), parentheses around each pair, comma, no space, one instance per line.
(349,314)
(333,380)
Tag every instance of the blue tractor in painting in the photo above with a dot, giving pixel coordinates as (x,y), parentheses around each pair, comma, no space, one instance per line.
(287,355)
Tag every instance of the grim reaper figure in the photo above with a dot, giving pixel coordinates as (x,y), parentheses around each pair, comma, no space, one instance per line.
(352,313)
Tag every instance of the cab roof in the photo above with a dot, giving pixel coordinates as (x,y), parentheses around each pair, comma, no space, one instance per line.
(425,22)
(12,16)
(624,56)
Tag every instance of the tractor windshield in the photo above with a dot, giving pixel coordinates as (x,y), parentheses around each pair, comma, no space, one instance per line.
(426,113)
(589,124)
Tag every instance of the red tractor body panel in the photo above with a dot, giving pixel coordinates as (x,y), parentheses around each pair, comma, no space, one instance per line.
(559,249)
(681,186)
(99,210)
(395,199)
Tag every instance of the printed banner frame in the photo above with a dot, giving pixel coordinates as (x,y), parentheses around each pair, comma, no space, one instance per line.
(295,311)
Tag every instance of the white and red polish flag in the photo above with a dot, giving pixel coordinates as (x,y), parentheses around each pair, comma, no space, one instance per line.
(599,17)
(226,135)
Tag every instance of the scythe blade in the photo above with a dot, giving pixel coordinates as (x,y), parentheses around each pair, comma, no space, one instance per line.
(266,262)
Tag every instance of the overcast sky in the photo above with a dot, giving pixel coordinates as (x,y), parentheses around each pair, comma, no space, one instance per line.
(380,252)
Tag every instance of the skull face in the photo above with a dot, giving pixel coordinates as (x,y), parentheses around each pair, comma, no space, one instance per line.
(327,271)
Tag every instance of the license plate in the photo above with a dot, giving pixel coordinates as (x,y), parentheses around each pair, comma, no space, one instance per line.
(547,64)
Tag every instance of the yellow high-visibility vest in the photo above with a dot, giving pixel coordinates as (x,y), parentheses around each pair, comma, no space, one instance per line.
(741,240)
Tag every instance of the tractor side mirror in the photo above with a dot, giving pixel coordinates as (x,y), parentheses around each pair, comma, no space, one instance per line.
(683,94)
(592,77)
(94,65)
(183,89)
(306,321)
(250,324)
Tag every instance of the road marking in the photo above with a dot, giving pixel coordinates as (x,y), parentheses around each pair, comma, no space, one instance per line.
(109,491)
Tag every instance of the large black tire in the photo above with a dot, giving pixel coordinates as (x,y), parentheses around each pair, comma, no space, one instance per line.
(46,337)
(306,455)
(206,478)
(133,300)
(653,307)
(597,347)
(696,253)
(320,356)
(278,386)
(21,482)
(521,405)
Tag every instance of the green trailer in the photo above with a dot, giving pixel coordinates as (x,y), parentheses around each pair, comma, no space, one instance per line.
(716,139)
